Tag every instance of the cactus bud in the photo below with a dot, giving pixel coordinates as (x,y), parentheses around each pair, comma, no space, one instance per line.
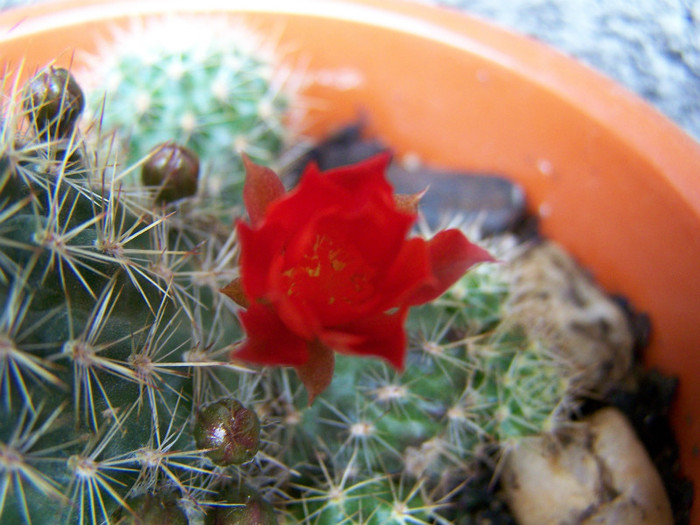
(230,430)
(54,101)
(241,506)
(150,509)
(174,169)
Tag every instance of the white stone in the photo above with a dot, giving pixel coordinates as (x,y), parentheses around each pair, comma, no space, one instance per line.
(597,473)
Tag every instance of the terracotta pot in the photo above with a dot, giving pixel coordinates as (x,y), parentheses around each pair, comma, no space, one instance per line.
(612,180)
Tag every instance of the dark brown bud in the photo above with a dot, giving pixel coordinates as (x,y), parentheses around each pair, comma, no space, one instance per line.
(230,430)
(150,509)
(174,169)
(54,102)
(241,506)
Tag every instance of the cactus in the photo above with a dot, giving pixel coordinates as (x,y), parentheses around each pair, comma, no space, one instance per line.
(211,87)
(118,399)
(396,447)
(113,334)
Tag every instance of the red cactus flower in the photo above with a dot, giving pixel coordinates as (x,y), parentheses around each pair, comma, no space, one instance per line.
(328,267)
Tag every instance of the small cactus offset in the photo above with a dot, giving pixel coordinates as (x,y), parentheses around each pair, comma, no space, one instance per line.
(211,87)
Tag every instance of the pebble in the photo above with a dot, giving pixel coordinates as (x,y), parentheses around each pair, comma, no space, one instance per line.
(596,472)
(557,302)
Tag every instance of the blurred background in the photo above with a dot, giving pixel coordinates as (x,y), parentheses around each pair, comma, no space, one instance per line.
(650,46)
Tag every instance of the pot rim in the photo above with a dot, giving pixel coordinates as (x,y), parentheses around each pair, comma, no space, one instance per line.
(645,128)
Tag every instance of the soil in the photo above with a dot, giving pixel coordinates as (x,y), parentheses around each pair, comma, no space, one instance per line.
(646,397)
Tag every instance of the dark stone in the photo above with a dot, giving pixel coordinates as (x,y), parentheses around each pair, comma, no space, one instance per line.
(492,201)
(495,202)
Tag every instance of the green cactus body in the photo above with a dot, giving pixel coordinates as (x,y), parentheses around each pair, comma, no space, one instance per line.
(112,336)
(342,497)
(471,381)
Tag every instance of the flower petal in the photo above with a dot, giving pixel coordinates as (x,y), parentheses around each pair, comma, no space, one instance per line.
(364,178)
(378,229)
(451,255)
(380,335)
(268,341)
(340,190)
(298,316)
(313,195)
(262,186)
(335,268)
(259,248)
(317,372)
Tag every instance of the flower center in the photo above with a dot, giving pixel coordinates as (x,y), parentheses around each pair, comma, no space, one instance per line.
(330,273)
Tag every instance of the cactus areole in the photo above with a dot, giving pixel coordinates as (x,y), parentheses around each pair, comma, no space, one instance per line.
(328,267)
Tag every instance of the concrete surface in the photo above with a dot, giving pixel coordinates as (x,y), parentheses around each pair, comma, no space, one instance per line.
(650,46)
